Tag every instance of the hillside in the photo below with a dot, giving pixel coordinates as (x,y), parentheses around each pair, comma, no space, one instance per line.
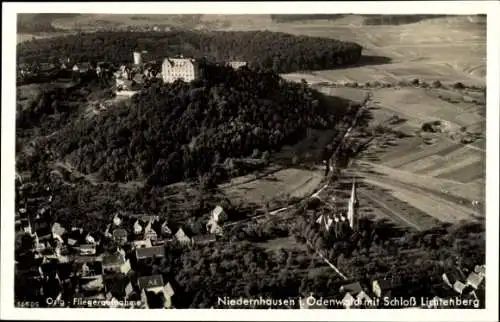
(182,131)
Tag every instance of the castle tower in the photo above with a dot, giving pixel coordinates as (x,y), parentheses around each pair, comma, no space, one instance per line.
(352,212)
(137,58)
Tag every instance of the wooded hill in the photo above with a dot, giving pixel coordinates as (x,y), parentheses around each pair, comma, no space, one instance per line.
(180,131)
(261,49)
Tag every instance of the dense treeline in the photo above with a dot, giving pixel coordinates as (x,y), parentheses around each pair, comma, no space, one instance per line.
(397,19)
(261,49)
(243,270)
(183,131)
(294,17)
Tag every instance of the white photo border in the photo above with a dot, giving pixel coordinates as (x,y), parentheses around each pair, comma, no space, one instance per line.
(9,12)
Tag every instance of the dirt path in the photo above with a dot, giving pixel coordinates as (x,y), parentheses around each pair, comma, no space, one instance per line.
(453,188)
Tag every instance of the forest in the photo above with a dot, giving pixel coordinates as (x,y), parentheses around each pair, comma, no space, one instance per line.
(397,19)
(179,131)
(39,22)
(261,49)
(297,17)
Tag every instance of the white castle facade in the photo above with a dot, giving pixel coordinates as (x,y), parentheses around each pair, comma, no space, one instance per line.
(186,69)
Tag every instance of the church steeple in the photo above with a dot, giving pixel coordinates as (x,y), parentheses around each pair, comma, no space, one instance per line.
(352,212)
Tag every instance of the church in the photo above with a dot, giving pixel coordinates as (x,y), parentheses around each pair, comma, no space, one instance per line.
(339,223)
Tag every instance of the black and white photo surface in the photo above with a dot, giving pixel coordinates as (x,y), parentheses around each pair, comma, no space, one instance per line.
(223,157)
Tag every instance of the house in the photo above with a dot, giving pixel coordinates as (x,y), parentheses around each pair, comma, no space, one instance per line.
(353,288)
(480,269)
(120,236)
(154,293)
(385,287)
(107,232)
(129,290)
(42,229)
(82,67)
(87,249)
(182,238)
(355,295)
(449,278)
(120,251)
(137,227)
(348,301)
(139,78)
(237,64)
(48,270)
(203,239)
(58,230)
(459,287)
(184,69)
(474,280)
(95,283)
(150,252)
(165,230)
(90,239)
(112,263)
(149,232)
(26,226)
(89,268)
(65,272)
(47,67)
(42,236)
(363,299)
(141,243)
(75,237)
(126,267)
(218,214)
(325,221)
(117,219)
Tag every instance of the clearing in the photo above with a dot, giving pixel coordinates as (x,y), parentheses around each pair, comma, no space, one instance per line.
(290,182)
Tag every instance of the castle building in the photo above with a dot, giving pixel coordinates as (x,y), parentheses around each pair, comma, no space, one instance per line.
(185,69)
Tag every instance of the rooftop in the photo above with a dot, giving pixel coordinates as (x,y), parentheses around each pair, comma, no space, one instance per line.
(120,233)
(112,260)
(353,288)
(147,282)
(149,252)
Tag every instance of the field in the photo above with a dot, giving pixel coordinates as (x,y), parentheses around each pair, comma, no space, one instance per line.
(428,183)
(290,182)
(409,180)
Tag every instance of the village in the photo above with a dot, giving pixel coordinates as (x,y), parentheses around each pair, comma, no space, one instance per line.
(58,255)
(54,257)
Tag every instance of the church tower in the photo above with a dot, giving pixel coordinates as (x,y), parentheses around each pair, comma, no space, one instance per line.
(352,212)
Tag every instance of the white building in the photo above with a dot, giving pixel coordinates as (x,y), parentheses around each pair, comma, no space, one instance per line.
(237,64)
(185,69)
(137,58)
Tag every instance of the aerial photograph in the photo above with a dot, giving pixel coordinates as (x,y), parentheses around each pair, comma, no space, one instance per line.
(250,161)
